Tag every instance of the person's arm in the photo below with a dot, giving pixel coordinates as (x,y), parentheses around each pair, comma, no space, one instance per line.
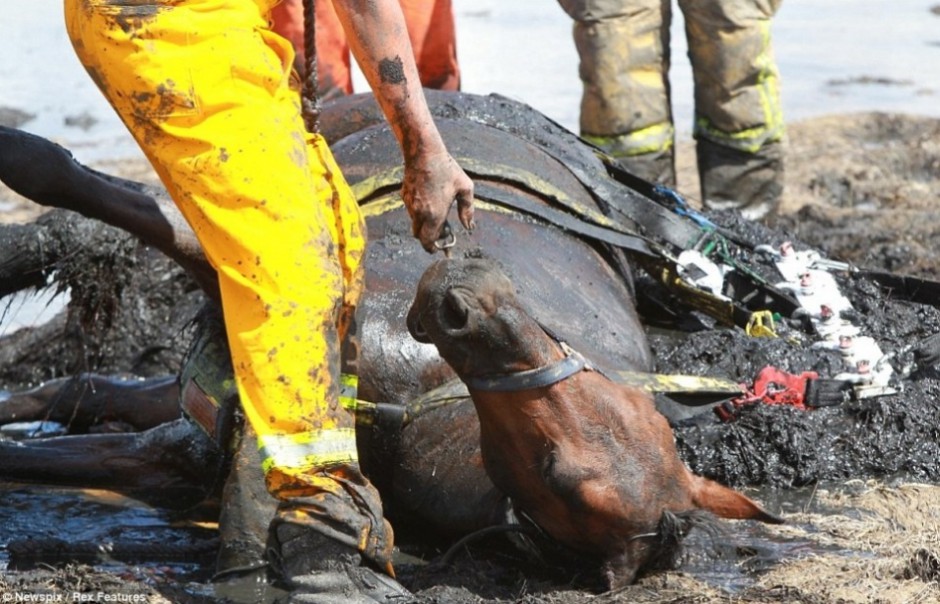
(433,180)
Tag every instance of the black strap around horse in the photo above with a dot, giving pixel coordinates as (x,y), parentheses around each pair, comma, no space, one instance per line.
(540,377)
(310,98)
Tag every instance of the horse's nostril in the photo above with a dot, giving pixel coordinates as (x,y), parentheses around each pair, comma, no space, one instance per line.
(419,334)
(454,316)
(415,324)
(454,312)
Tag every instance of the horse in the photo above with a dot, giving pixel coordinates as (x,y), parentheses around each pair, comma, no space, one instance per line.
(540,193)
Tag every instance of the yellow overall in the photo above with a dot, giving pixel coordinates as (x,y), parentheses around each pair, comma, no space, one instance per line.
(206,89)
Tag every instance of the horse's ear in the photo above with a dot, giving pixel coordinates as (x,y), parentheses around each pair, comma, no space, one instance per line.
(727,503)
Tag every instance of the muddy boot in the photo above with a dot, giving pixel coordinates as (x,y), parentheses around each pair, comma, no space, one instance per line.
(319,570)
(657,168)
(247,511)
(751,183)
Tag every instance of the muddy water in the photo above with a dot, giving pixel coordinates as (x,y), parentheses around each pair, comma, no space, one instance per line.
(119,535)
(731,560)
(834,57)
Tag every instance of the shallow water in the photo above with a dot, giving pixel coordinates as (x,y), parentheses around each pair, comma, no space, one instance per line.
(834,57)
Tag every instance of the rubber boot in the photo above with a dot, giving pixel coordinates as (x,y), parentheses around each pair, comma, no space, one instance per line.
(320,570)
(247,511)
(657,168)
(751,183)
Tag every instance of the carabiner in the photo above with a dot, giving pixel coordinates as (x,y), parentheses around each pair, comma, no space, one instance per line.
(447,240)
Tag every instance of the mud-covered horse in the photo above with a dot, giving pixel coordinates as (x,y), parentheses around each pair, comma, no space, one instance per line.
(419,446)
(589,461)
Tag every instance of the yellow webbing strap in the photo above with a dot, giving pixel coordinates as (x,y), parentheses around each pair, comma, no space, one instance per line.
(676,383)
(365,189)
(455,391)
(719,309)
(348,389)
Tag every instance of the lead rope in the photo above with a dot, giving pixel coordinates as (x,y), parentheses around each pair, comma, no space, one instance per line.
(310,100)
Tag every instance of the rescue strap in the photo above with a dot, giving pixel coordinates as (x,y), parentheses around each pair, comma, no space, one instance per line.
(623,239)
(632,198)
(485,172)
(384,422)
(711,389)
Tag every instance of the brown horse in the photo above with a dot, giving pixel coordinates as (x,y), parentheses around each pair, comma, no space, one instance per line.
(429,464)
(590,462)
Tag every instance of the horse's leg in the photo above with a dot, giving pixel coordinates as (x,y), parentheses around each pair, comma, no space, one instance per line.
(159,465)
(434,480)
(84,400)
(48,174)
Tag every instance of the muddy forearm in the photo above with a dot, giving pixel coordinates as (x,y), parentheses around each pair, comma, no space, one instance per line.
(379,40)
(432,179)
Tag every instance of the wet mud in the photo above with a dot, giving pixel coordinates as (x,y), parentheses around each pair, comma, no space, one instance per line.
(855,481)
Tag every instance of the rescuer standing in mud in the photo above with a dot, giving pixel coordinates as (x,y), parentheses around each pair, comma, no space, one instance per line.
(625,106)
(206,90)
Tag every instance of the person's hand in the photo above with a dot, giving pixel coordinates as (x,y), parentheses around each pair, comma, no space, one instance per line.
(431,184)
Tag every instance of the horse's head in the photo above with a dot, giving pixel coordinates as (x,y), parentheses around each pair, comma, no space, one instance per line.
(589,461)
(469,310)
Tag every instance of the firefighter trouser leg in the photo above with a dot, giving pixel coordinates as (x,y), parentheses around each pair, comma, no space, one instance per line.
(431,30)
(624,61)
(433,37)
(204,88)
(738,119)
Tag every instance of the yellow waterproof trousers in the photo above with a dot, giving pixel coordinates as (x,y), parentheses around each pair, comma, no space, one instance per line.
(205,88)
(624,51)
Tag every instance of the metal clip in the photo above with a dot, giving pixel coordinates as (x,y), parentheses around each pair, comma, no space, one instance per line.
(447,240)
